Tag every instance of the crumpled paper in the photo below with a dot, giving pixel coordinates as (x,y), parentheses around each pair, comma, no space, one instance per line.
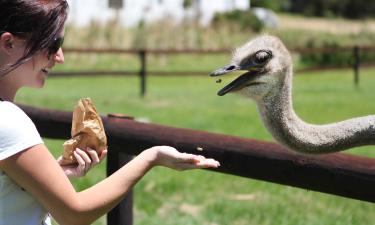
(87,131)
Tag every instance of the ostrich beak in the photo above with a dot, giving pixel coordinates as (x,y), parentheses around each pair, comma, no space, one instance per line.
(226,69)
(240,81)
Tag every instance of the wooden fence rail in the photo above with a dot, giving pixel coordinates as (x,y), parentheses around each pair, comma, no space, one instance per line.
(143,72)
(338,174)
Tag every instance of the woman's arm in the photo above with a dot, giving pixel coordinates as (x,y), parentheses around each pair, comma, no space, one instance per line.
(37,171)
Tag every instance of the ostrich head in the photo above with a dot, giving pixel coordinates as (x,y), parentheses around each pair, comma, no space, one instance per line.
(266,61)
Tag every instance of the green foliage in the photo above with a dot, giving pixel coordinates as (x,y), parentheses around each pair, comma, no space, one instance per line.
(270,4)
(187,4)
(245,19)
(333,58)
(354,9)
(326,58)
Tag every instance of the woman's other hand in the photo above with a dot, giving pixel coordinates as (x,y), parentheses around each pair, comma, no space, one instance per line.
(169,157)
(85,161)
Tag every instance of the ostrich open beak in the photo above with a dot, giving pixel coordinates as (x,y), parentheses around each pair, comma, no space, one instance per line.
(240,81)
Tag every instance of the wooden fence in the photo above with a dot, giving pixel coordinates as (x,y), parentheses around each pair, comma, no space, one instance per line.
(338,174)
(143,71)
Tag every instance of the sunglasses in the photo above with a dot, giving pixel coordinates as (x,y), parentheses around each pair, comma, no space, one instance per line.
(55,46)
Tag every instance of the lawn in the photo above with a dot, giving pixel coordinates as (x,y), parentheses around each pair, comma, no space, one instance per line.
(200,197)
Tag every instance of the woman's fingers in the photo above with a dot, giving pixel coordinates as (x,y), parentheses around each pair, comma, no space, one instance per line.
(170,157)
(190,157)
(81,168)
(208,163)
(94,156)
(200,160)
(83,155)
(191,161)
(103,154)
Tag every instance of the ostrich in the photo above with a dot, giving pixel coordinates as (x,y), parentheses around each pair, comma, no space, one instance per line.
(268,81)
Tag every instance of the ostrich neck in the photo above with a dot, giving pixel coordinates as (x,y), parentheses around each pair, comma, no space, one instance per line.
(276,110)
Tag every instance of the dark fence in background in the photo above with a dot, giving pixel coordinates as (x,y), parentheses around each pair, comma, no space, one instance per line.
(143,71)
(338,174)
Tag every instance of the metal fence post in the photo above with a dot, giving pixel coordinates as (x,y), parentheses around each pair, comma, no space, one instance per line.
(122,214)
(356,65)
(142,72)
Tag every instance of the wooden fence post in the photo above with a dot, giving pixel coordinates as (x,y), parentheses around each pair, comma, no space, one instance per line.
(142,72)
(122,214)
(356,65)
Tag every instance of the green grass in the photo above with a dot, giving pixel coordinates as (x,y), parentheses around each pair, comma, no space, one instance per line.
(200,197)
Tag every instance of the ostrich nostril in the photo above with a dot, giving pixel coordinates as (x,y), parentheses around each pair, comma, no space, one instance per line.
(231,68)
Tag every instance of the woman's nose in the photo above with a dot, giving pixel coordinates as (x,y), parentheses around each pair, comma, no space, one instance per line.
(59,56)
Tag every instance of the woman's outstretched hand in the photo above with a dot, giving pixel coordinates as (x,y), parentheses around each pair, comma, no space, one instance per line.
(85,161)
(169,157)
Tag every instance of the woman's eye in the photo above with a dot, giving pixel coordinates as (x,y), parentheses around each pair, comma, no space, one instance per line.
(262,57)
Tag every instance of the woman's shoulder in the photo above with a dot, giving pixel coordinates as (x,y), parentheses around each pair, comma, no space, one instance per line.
(17,131)
(10,111)
(5,105)
(14,119)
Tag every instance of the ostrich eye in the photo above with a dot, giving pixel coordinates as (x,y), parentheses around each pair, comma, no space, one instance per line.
(262,56)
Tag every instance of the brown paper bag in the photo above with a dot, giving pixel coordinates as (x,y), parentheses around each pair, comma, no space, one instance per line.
(87,131)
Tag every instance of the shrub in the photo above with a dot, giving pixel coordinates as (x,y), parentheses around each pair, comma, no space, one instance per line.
(270,4)
(353,9)
(334,58)
(245,19)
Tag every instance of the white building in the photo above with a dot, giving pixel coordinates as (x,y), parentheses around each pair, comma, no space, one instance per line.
(84,11)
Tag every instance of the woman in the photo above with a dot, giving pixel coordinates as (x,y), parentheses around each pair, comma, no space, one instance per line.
(32,182)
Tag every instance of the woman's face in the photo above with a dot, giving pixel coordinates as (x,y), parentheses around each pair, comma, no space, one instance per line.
(34,72)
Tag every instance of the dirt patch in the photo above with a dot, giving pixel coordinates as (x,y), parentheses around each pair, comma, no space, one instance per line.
(190,209)
(243,197)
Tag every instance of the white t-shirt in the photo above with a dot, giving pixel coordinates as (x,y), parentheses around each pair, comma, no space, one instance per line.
(17,133)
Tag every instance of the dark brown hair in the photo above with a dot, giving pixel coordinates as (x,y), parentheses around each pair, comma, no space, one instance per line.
(39,22)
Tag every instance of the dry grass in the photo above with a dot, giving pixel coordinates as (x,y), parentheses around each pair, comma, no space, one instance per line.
(296,31)
(163,34)
(336,26)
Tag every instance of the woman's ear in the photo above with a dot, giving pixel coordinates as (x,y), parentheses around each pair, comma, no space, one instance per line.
(7,42)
